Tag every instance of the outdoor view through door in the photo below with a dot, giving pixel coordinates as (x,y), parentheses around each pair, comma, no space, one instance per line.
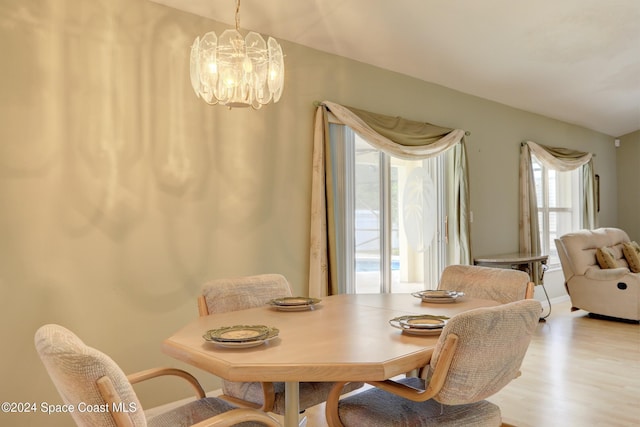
(389,217)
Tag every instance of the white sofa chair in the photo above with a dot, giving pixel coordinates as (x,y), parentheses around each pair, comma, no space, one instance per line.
(613,292)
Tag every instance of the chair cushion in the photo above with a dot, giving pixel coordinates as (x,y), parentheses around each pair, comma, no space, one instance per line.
(497,284)
(75,367)
(501,335)
(311,393)
(606,258)
(193,413)
(377,408)
(239,293)
(632,255)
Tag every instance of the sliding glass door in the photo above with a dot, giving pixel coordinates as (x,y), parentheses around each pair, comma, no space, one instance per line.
(389,217)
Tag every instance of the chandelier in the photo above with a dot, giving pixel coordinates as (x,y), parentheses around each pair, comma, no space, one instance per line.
(236,71)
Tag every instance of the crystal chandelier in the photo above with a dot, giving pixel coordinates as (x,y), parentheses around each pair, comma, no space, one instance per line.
(236,71)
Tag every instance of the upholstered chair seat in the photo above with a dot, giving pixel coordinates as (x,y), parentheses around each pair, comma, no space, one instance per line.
(192,413)
(376,408)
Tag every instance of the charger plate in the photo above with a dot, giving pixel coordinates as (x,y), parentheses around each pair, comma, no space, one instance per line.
(237,333)
(211,336)
(438,296)
(418,331)
(294,303)
(425,324)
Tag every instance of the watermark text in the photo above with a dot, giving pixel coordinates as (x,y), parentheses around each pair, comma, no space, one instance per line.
(60,408)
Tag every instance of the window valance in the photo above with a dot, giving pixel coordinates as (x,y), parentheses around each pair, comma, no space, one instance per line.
(396,136)
(559,159)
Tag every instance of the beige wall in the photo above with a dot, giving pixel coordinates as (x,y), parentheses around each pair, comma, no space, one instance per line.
(121,192)
(628,162)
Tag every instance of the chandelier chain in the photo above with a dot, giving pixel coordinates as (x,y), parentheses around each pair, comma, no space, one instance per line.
(238,15)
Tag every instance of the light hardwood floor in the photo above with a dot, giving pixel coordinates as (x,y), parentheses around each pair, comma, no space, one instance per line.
(579,372)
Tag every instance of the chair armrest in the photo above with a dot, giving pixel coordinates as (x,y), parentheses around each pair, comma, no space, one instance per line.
(111,397)
(331,405)
(530,290)
(203,309)
(237,416)
(606,274)
(268,396)
(404,390)
(158,372)
(333,400)
(436,382)
(433,387)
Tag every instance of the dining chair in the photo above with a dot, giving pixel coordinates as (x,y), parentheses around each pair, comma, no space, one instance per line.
(239,293)
(499,284)
(103,396)
(478,353)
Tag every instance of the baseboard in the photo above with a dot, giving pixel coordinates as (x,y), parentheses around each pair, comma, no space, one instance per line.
(547,304)
(556,300)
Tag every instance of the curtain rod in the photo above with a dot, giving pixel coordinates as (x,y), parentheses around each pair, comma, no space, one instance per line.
(318,103)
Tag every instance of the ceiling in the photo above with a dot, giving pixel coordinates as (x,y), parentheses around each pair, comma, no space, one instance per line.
(573,60)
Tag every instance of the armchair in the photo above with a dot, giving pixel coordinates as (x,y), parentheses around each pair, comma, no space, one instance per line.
(613,292)
(478,353)
(88,378)
(230,294)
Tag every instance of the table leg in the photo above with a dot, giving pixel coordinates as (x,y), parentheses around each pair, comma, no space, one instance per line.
(291,404)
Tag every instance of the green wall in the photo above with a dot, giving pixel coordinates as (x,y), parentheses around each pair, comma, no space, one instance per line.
(122,193)
(628,167)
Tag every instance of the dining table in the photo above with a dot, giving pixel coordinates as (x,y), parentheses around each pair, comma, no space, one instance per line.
(345,337)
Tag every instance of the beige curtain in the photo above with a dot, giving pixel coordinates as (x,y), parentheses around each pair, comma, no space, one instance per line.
(397,137)
(560,159)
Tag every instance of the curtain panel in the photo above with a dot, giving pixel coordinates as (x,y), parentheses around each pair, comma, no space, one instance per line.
(559,159)
(397,137)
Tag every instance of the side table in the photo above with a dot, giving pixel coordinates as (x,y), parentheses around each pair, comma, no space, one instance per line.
(533,264)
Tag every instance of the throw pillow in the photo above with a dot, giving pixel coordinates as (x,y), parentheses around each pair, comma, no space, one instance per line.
(605,258)
(631,253)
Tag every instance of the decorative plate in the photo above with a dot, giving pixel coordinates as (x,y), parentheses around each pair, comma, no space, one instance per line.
(242,344)
(438,296)
(270,334)
(294,303)
(424,324)
(237,333)
(418,331)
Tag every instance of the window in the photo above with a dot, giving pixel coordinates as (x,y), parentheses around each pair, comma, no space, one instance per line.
(559,200)
(389,217)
